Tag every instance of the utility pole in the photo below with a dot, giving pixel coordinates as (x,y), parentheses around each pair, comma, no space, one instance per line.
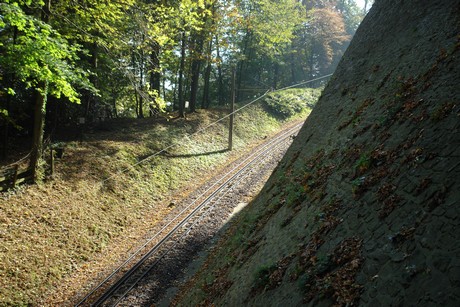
(232,115)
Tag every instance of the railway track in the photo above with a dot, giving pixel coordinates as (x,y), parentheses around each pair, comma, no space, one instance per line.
(151,262)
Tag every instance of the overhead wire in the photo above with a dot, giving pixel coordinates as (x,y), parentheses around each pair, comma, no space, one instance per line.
(174,144)
(133,79)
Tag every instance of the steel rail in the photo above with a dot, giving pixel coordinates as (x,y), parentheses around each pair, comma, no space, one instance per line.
(202,205)
(240,167)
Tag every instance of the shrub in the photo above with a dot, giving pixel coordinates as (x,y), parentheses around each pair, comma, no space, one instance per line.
(290,102)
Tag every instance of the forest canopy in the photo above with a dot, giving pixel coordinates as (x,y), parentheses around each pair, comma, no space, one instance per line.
(62,61)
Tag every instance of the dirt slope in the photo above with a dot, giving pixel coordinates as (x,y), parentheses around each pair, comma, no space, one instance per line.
(364,207)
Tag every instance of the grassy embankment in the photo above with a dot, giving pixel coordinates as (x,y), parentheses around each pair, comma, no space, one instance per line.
(108,192)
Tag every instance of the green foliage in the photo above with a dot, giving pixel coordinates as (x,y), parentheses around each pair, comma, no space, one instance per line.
(274,23)
(40,55)
(93,21)
(119,47)
(287,103)
(160,103)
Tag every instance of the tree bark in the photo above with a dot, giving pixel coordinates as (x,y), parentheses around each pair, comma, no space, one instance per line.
(133,63)
(114,107)
(11,77)
(155,76)
(220,77)
(181,78)
(196,65)
(39,127)
(5,127)
(241,65)
(39,115)
(205,102)
(209,34)
(141,85)
(275,75)
(92,99)
(293,65)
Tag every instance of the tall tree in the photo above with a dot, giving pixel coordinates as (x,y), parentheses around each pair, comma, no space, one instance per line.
(42,60)
(128,49)
(181,77)
(326,33)
(267,28)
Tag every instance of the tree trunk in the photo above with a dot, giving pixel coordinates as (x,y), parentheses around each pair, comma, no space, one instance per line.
(4,127)
(196,64)
(174,94)
(114,106)
(293,67)
(155,76)
(136,97)
(220,77)
(39,126)
(39,116)
(141,85)
(92,98)
(4,123)
(312,66)
(208,33)
(276,69)
(247,52)
(140,112)
(133,63)
(181,78)
(11,77)
(205,102)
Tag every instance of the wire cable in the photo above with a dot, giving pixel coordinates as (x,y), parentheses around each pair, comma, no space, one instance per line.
(174,144)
